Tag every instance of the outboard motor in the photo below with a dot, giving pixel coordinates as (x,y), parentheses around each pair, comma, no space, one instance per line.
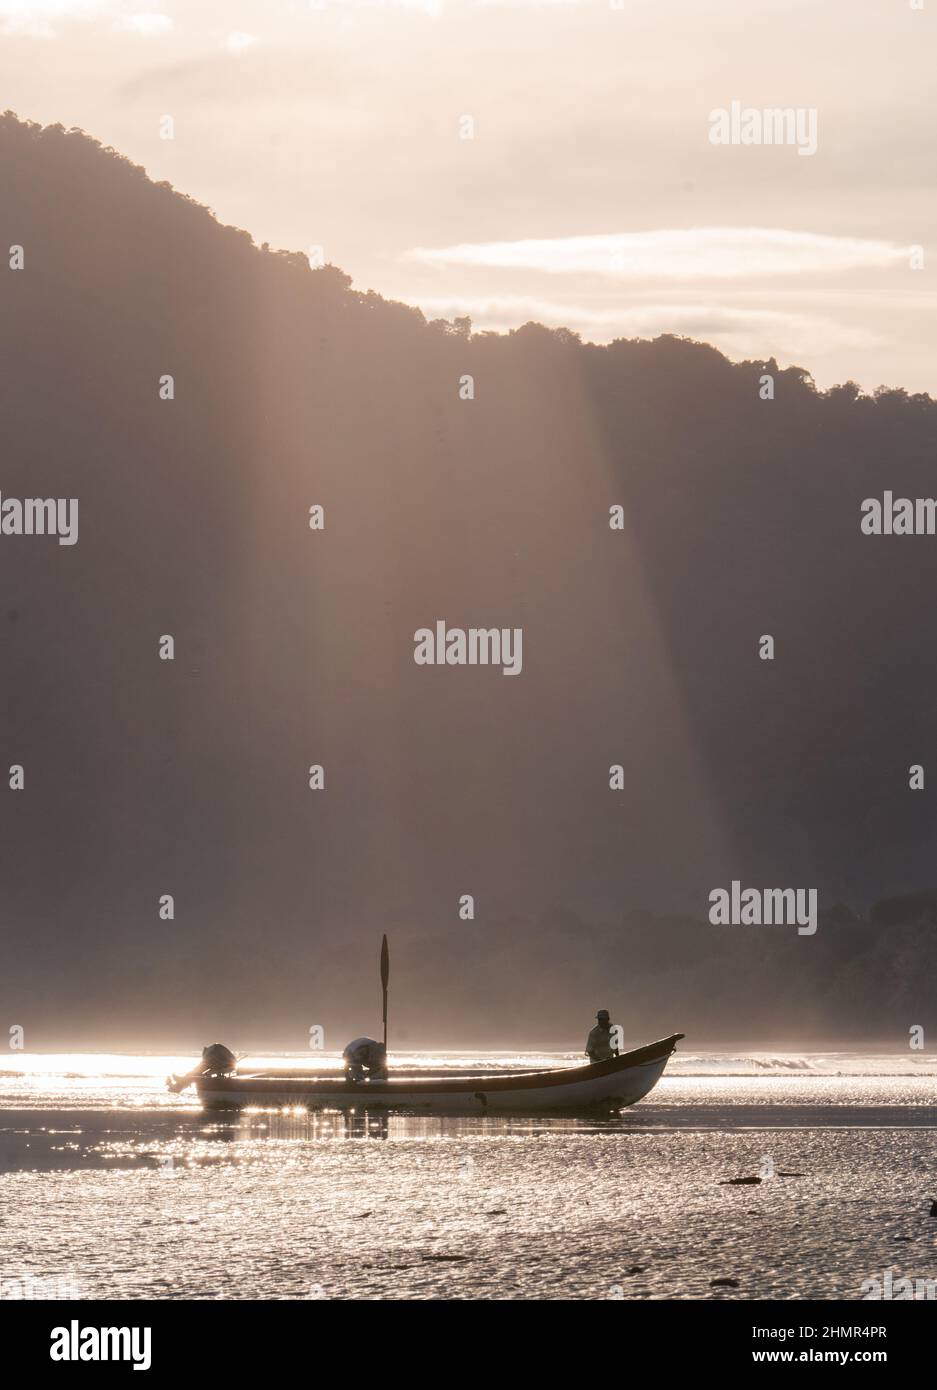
(218,1060)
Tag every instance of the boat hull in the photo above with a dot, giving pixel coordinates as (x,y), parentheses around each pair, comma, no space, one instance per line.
(618,1082)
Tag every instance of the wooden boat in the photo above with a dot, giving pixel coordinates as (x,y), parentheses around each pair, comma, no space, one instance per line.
(618,1082)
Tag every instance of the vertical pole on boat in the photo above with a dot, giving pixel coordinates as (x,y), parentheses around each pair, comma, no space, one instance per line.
(385,976)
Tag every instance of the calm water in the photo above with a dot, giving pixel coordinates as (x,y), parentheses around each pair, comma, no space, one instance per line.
(112,1188)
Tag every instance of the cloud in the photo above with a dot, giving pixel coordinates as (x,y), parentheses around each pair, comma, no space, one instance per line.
(34,18)
(37,19)
(738,331)
(692,253)
(147,23)
(238,41)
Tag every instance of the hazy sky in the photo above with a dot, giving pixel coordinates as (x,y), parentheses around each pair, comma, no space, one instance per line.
(590,193)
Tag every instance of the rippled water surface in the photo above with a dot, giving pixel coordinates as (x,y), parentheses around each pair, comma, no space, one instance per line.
(112,1188)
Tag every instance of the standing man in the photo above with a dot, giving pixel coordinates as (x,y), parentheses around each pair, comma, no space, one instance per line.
(599,1042)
